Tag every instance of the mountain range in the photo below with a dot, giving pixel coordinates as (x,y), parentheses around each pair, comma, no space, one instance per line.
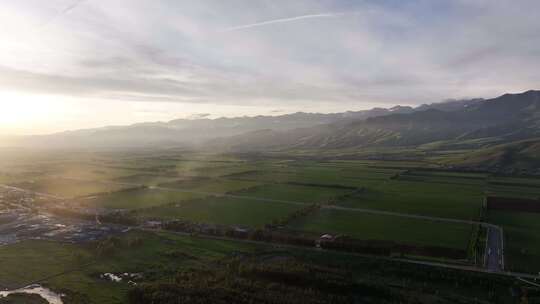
(499,131)
(510,117)
(189,132)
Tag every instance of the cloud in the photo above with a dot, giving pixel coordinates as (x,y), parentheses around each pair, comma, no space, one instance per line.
(283,20)
(198,116)
(64,11)
(71,7)
(364,53)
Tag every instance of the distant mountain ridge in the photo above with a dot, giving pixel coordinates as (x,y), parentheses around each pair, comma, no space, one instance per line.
(180,132)
(507,118)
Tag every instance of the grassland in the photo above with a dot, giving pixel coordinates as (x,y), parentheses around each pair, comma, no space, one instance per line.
(225,211)
(161,257)
(29,261)
(432,199)
(211,185)
(295,193)
(380,227)
(413,187)
(514,187)
(139,198)
(68,188)
(146,179)
(328,174)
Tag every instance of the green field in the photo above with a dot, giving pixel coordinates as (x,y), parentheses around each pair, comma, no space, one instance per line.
(164,258)
(327,175)
(295,193)
(225,211)
(416,197)
(92,172)
(514,190)
(181,186)
(209,169)
(390,228)
(68,188)
(139,198)
(211,185)
(146,179)
(28,261)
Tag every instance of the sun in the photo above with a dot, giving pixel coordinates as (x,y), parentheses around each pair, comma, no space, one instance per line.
(23,113)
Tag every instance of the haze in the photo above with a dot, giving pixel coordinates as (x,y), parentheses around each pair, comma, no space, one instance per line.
(68,64)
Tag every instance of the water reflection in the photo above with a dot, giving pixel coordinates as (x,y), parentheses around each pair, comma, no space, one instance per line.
(47,294)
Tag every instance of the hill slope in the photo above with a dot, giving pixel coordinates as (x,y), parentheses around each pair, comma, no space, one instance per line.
(507,118)
(189,131)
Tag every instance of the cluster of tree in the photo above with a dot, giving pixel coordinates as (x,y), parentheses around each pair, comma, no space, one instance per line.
(513,204)
(286,279)
(128,189)
(107,246)
(341,243)
(473,286)
(239,175)
(160,168)
(118,217)
(356,192)
(261,235)
(242,282)
(305,211)
(476,245)
(388,248)
(111,244)
(334,186)
(280,237)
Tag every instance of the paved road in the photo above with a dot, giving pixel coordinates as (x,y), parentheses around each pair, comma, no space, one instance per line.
(494,250)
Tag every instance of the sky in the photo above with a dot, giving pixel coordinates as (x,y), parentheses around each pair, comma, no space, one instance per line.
(71,64)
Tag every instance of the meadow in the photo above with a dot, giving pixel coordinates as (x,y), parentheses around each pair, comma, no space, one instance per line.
(216,185)
(418,197)
(189,186)
(68,188)
(79,266)
(224,211)
(139,198)
(388,228)
(295,193)
(163,258)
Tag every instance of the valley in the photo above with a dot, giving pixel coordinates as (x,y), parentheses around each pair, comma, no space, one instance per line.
(400,211)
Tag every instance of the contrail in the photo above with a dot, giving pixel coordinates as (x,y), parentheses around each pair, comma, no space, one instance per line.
(283,20)
(71,7)
(66,10)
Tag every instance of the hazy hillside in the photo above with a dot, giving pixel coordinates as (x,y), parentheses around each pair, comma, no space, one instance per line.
(517,155)
(192,131)
(507,118)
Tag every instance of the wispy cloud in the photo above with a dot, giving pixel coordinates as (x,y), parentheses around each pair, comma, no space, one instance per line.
(330,55)
(282,20)
(63,12)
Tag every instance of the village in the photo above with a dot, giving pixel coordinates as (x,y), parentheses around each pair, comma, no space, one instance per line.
(24,215)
